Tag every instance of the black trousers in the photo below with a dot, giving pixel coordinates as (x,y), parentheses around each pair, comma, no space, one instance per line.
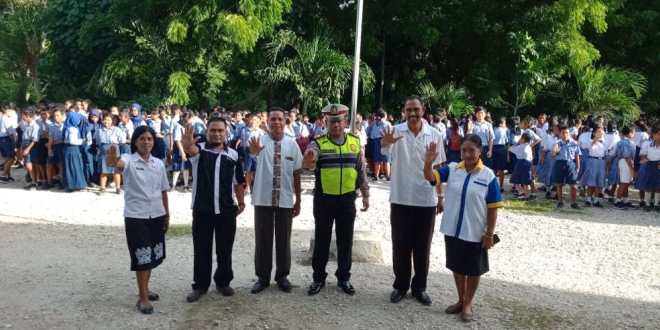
(269,221)
(203,227)
(341,211)
(412,233)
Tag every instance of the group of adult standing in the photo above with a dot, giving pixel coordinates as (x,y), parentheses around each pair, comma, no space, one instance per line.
(416,151)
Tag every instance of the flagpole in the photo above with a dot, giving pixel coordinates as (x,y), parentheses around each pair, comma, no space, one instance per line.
(356,65)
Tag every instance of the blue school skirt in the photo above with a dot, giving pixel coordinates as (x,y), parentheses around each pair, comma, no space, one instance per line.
(512,163)
(58,154)
(179,164)
(160,149)
(563,172)
(7,147)
(636,163)
(522,172)
(595,173)
(537,150)
(39,153)
(102,159)
(89,161)
(376,155)
(649,179)
(584,162)
(74,175)
(544,171)
(613,175)
(499,158)
(484,157)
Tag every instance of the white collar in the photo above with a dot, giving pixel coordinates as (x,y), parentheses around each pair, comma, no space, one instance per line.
(426,128)
(136,156)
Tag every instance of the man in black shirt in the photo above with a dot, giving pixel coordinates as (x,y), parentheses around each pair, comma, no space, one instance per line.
(217,200)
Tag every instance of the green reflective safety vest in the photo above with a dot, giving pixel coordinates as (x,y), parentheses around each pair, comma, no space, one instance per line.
(337,165)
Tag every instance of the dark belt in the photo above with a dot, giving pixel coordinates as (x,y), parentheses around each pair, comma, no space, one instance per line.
(600,158)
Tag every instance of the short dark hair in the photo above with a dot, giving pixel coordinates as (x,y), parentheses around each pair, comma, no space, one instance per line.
(562,127)
(625,130)
(473,138)
(214,119)
(275,109)
(137,133)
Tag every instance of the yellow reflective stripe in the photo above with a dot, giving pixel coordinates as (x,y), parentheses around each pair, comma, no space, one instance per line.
(495,205)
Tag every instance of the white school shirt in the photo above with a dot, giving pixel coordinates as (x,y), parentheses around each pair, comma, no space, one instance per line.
(652,153)
(290,162)
(7,126)
(597,150)
(408,185)
(639,138)
(468,196)
(522,151)
(584,140)
(611,139)
(144,183)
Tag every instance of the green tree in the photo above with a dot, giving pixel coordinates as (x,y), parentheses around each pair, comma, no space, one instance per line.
(318,73)
(449,98)
(23,46)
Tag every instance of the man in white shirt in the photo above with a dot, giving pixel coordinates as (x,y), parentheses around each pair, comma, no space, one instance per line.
(414,203)
(276,180)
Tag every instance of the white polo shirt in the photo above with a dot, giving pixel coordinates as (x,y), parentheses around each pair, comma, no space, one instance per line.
(650,150)
(468,196)
(407,185)
(144,183)
(290,161)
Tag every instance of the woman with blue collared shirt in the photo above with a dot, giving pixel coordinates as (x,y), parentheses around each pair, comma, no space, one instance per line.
(105,137)
(472,198)
(75,135)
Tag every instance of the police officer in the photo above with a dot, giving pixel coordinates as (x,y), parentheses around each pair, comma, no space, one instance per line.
(339,170)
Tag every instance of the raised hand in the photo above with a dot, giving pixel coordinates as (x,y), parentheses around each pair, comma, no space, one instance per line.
(388,137)
(188,139)
(309,160)
(255,146)
(431,153)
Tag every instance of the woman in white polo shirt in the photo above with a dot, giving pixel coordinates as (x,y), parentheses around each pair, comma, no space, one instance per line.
(468,222)
(146,211)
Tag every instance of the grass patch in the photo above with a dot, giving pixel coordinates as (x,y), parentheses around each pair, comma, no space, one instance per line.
(179,230)
(524,316)
(535,206)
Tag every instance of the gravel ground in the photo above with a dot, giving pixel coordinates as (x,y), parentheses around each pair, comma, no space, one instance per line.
(65,266)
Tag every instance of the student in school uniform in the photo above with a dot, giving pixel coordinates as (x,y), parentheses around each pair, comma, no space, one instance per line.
(566,167)
(146,209)
(39,155)
(594,175)
(472,198)
(90,148)
(246,134)
(522,171)
(624,161)
(30,137)
(156,123)
(126,126)
(500,143)
(8,137)
(454,140)
(584,141)
(217,201)
(547,161)
(484,130)
(75,136)
(515,133)
(649,179)
(136,115)
(179,159)
(641,135)
(107,136)
(611,139)
(56,148)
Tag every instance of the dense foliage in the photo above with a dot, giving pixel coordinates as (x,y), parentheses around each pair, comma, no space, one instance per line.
(513,56)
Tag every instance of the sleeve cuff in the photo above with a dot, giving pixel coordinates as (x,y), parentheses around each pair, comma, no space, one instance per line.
(496,205)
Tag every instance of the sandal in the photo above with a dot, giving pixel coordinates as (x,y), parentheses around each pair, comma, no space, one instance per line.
(144,308)
(454,309)
(467,316)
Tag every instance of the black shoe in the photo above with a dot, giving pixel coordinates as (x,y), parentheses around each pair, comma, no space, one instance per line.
(258,287)
(6,179)
(629,205)
(575,206)
(284,285)
(195,295)
(315,288)
(153,296)
(642,204)
(346,287)
(560,205)
(226,291)
(598,204)
(423,298)
(587,203)
(30,186)
(548,195)
(648,208)
(28,178)
(397,296)
(144,308)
